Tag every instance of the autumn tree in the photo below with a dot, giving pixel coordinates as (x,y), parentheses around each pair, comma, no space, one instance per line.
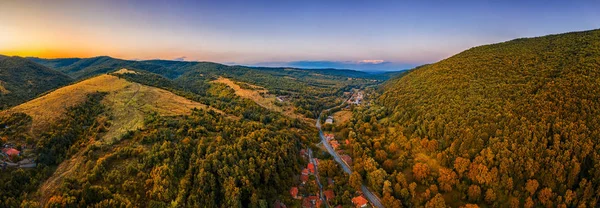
(531,186)
(474,192)
(420,171)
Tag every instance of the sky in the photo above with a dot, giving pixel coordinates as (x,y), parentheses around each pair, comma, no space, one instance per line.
(351,34)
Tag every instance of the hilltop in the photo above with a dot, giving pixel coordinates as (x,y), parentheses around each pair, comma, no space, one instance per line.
(128,102)
(507,124)
(21,80)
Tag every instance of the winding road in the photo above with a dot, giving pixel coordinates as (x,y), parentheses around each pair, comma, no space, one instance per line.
(373,199)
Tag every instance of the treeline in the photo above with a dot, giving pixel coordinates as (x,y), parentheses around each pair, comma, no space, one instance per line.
(506,125)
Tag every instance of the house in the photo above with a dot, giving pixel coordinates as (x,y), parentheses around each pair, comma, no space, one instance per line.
(334,144)
(311,202)
(347,159)
(311,168)
(347,142)
(294,193)
(329,195)
(305,171)
(11,152)
(304,178)
(360,201)
(329,120)
(328,137)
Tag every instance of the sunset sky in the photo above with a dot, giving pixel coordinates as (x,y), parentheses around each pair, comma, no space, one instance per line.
(367,35)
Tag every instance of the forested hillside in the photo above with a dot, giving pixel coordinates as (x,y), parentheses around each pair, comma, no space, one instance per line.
(512,124)
(312,90)
(230,154)
(21,80)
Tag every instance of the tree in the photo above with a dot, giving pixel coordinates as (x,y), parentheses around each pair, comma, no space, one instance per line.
(447,179)
(490,196)
(355,180)
(531,186)
(461,165)
(528,203)
(474,193)
(420,171)
(436,202)
(545,196)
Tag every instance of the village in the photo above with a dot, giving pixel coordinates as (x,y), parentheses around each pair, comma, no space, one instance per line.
(318,189)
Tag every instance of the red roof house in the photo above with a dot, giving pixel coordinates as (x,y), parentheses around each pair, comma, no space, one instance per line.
(305,171)
(311,168)
(11,152)
(347,142)
(294,192)
(360,201)
(304,178)
(334,144)
(329,195)
(311,202)
(329,137)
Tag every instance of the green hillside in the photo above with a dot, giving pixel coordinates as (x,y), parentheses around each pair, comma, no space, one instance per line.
(513,123)
(21,80)
(303,85)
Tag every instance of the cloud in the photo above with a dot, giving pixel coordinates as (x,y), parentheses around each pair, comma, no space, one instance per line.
(180,58)
(372,61)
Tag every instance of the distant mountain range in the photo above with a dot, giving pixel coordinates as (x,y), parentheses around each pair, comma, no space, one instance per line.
(22,79)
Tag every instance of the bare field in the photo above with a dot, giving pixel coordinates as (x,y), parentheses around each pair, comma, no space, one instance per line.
(341,117)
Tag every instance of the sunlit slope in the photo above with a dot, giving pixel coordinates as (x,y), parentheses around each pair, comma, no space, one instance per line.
(128,102)
(518,111)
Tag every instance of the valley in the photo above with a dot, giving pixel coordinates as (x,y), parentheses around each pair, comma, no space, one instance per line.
(512,124)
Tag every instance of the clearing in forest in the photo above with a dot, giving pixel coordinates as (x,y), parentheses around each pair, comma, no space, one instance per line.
(341,117)
(266,100)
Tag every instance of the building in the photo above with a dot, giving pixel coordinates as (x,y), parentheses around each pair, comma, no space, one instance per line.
(347,159)
(329,195)
(329,137)
(347,142)
(311,202)
(329,120)
(11,152)
(294,193)
(360,201)
(334,144)
(311,168)
(304,178)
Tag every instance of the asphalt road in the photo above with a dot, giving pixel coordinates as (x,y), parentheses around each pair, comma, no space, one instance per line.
(373,199)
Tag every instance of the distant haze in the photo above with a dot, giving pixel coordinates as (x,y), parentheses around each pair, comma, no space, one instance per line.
(364,35)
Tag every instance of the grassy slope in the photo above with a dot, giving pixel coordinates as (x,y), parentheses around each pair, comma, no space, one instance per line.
(267,101)
(128,101)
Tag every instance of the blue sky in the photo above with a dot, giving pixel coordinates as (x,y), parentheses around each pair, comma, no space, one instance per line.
(365,35)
